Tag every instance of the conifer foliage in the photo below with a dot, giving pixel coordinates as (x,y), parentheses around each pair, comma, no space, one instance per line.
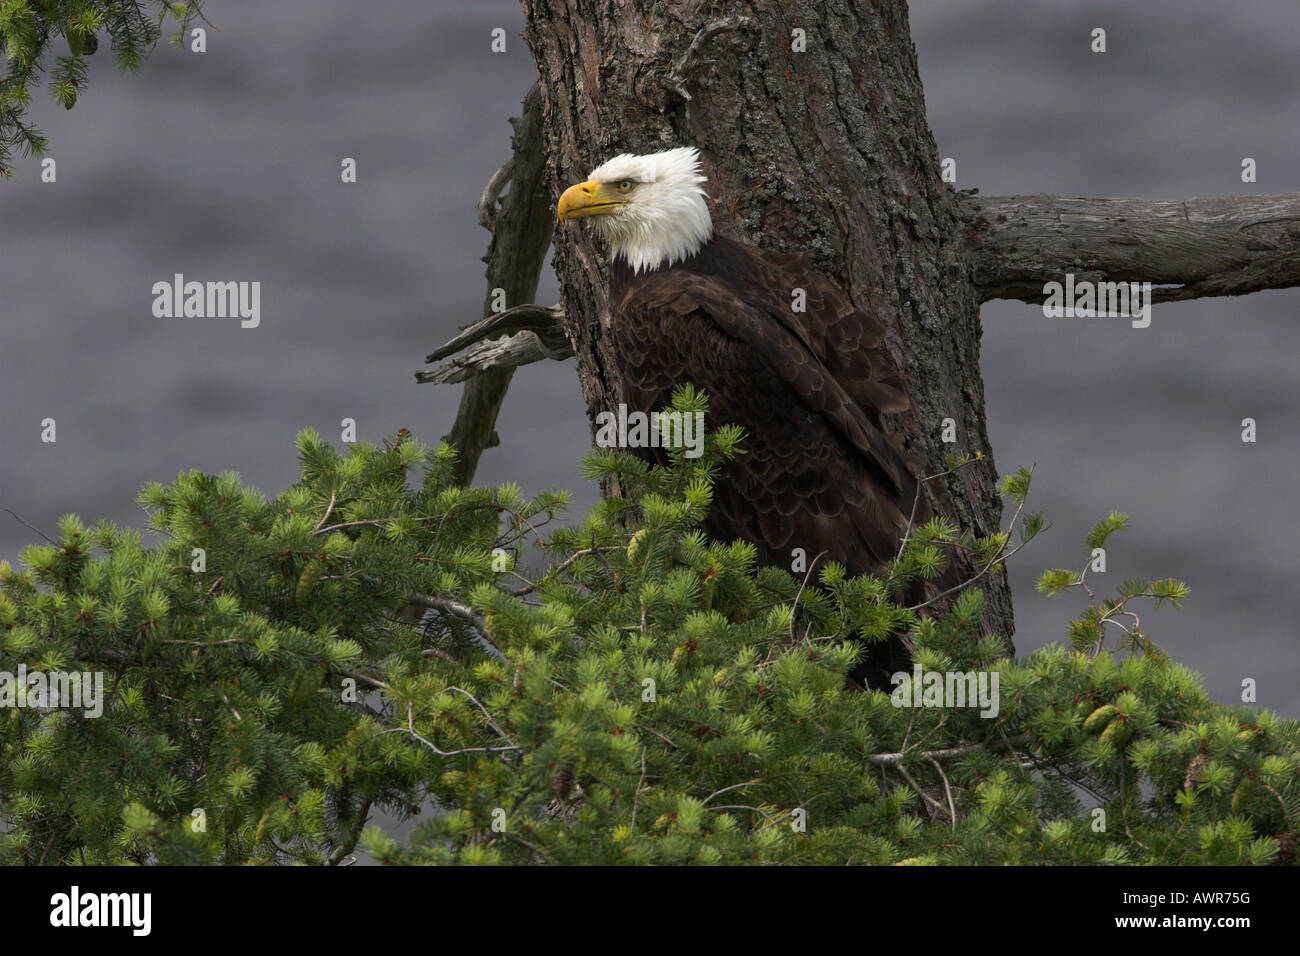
(56,38)
(648,697)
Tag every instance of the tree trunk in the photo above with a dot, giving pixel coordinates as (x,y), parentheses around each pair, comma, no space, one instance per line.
(824,149)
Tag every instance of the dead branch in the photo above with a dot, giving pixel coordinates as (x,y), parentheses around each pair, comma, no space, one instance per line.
(465,613)
(487,203)
(522,348)
(1229,245)
(521,225)
(952,753)
(691,61)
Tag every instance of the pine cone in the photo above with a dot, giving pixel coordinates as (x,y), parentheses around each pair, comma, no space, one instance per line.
(1193,770)
(564,781)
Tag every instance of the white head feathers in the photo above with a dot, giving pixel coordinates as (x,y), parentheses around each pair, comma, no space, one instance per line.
(664,218)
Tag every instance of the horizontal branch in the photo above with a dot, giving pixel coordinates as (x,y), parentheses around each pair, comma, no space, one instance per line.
(533,318)
(952,753)
(465,613)
(1231,245)
(410,729)
(523,348)
(531,333)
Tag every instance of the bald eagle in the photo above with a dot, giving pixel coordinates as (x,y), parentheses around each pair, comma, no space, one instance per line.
(808,387)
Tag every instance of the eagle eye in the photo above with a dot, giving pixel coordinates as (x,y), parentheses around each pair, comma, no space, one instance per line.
(625,185)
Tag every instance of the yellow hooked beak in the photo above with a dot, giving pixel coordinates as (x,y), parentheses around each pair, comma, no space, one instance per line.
(588,199)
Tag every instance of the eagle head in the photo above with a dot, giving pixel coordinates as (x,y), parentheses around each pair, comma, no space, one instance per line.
(651,208)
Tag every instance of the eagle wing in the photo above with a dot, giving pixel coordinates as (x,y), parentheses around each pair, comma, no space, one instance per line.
(809,387)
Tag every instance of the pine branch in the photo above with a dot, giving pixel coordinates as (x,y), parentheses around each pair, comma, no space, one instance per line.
(467,614)
(951,753)
(341,850)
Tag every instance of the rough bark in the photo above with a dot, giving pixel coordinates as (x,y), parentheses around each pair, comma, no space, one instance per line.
(518,336)
(1202,247)
(825,150)
(521,235)
(1189,250)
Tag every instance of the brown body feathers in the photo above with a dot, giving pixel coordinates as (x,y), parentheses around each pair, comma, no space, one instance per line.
(808,387)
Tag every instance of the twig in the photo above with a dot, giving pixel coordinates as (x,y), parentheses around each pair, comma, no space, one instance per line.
(812,564)
(1286,814)
(916,499)
(357,675)
(467,614)
(380,522)
(300,857)
(564,564)
(983,571)
(532,846)
(227,702)
(929,733)
(740,806)
(410,729)
(53,831)
(734,786)
(439,652)
(636,797)
(952,809)
(343,849)
(325,517)
(668,740)
(198,11)
(893,760)
(918,788)
(998,558)
(690,61)
(30,528)
(486,716)
(911,718)
(229,640)
(487,203)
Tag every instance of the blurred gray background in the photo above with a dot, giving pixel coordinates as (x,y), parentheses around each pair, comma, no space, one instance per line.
(226,166)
